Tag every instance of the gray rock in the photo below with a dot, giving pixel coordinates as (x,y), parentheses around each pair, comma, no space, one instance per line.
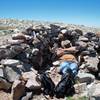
(15,41)
(65,44)
(85,77)
(96,92)
(6,53)
(11,73)
(81,43)
(1,72)
(10,62)
(80,88)
(4,84)
(92,63)
(28,96)
(84,39)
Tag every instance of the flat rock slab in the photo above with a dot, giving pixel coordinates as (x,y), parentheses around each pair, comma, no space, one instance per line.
(85,77)
(10,62)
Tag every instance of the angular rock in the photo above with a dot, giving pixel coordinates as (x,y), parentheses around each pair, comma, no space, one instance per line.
(65,44)
(15,41)
(1,72)
(91,88)
(84,39)
(18,89)
(11,73)
(28,96)
(85,77)
(80,88)
(4,84)
(10,62)
(63,31)
(92,63)
(4,53)
(18,36)
(81,43)
(96,92)
(32,83)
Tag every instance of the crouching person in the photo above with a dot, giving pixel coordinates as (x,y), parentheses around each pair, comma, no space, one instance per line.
(68,68)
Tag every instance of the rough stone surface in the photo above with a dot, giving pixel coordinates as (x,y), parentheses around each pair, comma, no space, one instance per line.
(4,84)
(11,74)
(10,62)
(31,80)
(34,45)
(85,77)
(18,90)
(80,87)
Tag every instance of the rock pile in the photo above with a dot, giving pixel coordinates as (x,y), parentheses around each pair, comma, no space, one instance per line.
(33,51)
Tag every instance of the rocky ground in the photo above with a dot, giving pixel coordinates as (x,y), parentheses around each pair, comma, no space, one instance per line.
(18,66)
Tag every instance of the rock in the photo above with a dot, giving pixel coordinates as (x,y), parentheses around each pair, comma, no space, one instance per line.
(96,92)
(65,44)
(84,39)
(18,36)
(91,88)
(36,59)
(11,73)
(32,83)
(21,37)
(5,46)
(80,32)
(85,77)
(10,62)
(7,53)
(4,84)
(18,89)
(63,31)
(1,72)
(15,41)
(81,44)
(92,63)
(28,96)
(90,35)
(80,88)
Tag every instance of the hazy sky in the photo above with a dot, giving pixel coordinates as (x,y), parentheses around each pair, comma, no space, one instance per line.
(86,12)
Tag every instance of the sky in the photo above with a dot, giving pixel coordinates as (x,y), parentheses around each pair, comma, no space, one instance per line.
(82,12)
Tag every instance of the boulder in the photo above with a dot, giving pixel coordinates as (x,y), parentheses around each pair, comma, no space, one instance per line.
(4,84)
(12,42)
(65,44)
(32,83)
(18,36)
(10,62)
(28,96)
(11,73)
(18,89)
(1,72)
(84,39)
(85,77)
(6,53)
(96,92)
(92,63)
(80,88)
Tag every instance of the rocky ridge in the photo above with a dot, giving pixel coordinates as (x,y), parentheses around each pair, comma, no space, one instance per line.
(30,51)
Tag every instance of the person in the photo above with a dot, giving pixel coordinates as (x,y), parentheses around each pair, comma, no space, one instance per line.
(68,60)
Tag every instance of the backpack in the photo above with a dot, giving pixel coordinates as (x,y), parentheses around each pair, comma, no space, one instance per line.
(47,84)
(64,87)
